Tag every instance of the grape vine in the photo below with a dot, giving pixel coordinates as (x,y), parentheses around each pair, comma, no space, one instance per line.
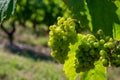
(93,40)
(92,47)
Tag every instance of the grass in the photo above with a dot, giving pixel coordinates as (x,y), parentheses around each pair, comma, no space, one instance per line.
(33,40)
(14,67)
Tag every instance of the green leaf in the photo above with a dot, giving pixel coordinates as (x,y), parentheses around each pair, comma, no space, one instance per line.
(80,12)
(97,14)
(116,27)
(69,64)
(98,73)
(103,15)
(6,8)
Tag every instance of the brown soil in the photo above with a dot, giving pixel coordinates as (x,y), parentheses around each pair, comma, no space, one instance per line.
(35,52)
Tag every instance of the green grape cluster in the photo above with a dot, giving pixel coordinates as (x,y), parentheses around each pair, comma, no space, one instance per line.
(60,37)
(110,50)
(106,44)
(87,53)
(91,48)
(96,47)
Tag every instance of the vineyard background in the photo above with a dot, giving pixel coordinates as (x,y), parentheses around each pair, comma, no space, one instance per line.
(24,51)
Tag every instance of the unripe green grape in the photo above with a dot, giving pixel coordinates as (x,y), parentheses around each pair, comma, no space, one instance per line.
(105,62)
(58,18)
(105,46)
(60,21)
(102,41)
(53,27)
(69,19)
(91,36)
(49,44)
(100,32)
(90,40)
(111,39)
(101,58)
(71,28)
(58,29)
(107,38)
(96,44)
(103,53)
(51,33)
(110,45)
(118,56)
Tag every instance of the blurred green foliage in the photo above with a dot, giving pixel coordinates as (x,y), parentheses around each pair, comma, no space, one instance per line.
(39,11)
(31,14)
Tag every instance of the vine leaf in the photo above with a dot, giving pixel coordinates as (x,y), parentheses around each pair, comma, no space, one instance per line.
(98,73)
(116,27)
(69,67)
(97,14)
(79,11)
(69,64)
(103,15)
(6,8)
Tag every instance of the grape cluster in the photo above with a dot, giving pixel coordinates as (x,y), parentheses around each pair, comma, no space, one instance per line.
(97,47)
(60,37)
(110,50)
(91,47)
(87,53)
